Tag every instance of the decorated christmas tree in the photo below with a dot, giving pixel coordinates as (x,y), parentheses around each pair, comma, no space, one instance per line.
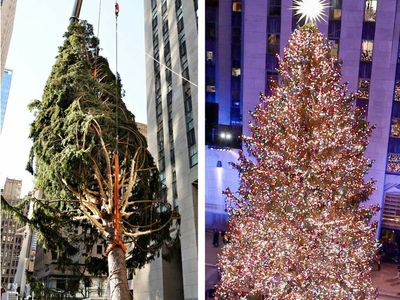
(298,228)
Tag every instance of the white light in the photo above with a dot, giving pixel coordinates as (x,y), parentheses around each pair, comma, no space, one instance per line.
(228,136)
(310,10)
(223,135)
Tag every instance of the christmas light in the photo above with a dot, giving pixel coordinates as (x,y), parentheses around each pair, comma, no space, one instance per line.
(310,10)
(297,228)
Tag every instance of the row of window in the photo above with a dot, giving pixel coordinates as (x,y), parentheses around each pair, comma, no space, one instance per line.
(168,77)
(393,158)
(190,131)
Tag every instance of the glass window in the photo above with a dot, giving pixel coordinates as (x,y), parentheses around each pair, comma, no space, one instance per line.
(334,28)
(235,72)
(99,249)
(334,44)
(336,14)
(395,132)
(397,91)
(193,155)
(154,22)
(393,165)
(191,137)
(365,69)
(362,104)
(180,25)
(210,56)
(273,43)
(363,86)
(274,25)
(237,6)
(370,10)
(336,10)
(210,88)
(367,48)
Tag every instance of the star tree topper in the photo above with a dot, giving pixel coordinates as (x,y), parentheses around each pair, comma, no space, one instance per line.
(310,10)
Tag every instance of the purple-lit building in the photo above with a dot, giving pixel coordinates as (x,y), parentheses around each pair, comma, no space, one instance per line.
(242,40)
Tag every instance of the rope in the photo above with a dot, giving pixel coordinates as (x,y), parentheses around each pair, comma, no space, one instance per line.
(98,20)
(161,64)
(116,73)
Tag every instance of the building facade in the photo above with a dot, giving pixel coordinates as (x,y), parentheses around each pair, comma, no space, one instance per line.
(77,283)
(5,91)
(242,41)
(7,8)
(11,238)
(7,11)
(171,78)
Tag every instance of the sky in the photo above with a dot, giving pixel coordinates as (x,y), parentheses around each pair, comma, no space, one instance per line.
(38,32)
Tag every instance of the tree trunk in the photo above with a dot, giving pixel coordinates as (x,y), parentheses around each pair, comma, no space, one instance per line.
(118,277)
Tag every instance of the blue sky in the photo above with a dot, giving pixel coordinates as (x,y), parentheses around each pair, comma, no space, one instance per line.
(38,29)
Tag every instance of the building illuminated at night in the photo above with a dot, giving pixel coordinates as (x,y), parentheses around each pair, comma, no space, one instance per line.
(242,41)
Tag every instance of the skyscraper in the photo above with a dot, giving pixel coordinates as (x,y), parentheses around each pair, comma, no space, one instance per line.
(10,239)
(171,69)
(5,90)
(7,8)
(242,41)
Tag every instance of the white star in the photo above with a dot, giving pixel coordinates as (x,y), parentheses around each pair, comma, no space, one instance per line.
(310,10)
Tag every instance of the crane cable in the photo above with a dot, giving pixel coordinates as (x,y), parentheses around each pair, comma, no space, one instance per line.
(117,218)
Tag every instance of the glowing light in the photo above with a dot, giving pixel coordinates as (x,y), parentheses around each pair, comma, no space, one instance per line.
(310,10)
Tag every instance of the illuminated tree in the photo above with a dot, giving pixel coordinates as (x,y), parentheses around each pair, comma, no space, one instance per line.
(88,153)
(297,228)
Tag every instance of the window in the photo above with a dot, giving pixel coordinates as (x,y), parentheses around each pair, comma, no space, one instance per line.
(172,157)
(191,137)
(393,165)
(164,7)
(397,91)
(99,249)
(180,25)
(161,164)
(165,27)
(193,155)
(236,6)
(334,30)
(154,22)
(174,190)
(365,69)
(363,86)
(274,25)
(210,88)
(336,10)
(336,14)
(367,47)
(153,4)
(210,56)
(362,105)
(210,31)
(235,72)
(370,10)
(395,131)
(274,8)
(53,255)
(334,44)
(273,43)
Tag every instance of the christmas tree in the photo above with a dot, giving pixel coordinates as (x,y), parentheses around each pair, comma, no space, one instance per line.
(93,166)
(297,228)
